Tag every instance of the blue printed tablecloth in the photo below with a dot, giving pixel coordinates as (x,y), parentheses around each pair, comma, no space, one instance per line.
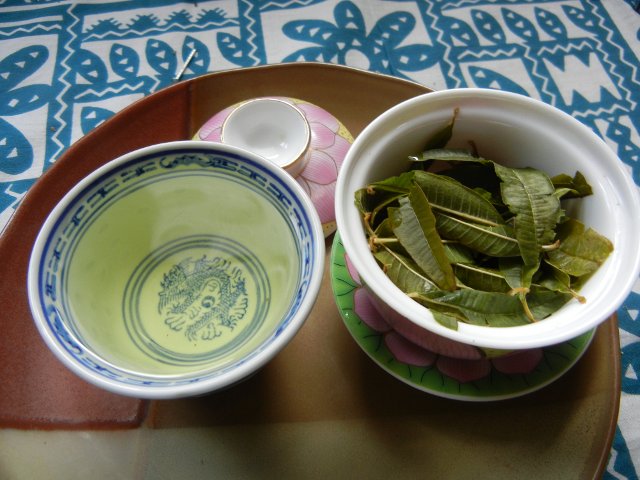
(65,67)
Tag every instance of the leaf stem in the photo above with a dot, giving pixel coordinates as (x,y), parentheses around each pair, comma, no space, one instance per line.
(381,241)
(457,213)
(527,311)
(552,246)
(477,227)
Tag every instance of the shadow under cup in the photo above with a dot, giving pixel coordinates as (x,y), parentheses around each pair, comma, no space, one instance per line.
(175,265)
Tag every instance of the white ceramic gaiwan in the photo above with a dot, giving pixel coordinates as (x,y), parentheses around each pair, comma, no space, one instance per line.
(176,270)
(516,131)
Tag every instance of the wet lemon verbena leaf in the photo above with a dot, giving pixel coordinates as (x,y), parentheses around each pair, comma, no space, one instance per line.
(483,278)
(414,225)
(581,250)
(403,272)
(567,187)
(450,197)
(480,307)
(495,241)
(519,276)
(530,196)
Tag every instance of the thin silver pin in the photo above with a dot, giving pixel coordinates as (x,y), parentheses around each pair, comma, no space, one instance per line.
(186,64)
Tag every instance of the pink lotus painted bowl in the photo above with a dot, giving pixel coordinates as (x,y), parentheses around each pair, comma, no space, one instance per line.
(328,145)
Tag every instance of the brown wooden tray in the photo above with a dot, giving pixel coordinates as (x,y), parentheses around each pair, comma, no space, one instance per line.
(321,407)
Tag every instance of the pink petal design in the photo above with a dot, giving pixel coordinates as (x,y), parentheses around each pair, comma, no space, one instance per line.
(520,362)
(212,128)
(321,136)
(323,197)
(464,370)
(424,338)
(338,150)
(406,352)
(317,114)
(306,186)
(353,273)
(321,168)
(367,312)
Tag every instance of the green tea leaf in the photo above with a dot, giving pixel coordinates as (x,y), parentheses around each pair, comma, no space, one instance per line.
(567,187)
(481,278)
(519,277)
(404,272)
(581,250)
(466,216)
(397,184)
(377,196)
(516,273)
(555,279)
(458,253)
(530,196)
(385,229)
(361,201)
(543,302)
(562,192)
(384,237)
(442,136)
(495,241)
(448,155)
(476,175)
(446,319)
(450,197)
(492,309)
(414,225)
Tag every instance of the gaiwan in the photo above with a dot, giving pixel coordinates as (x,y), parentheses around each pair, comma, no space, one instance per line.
(515,132)
(478,242)
(176,270)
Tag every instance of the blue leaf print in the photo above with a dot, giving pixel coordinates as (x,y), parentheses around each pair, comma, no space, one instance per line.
(231,48)
(124,60)
(200,62)
(488,26)
(485,78)
(316,31)
(17,66)
(24,99)
(520,25)
(347,39)
(414,58)
(626,320)
(161,57)
(551,24)
(580,18)
(621,458)
(349,17)
(90,66)
(16,153)
(392,29)
(630,366)
(311,54)
(459,31)
(91,117)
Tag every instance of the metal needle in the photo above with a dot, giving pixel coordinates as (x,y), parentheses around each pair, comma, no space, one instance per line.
(186,64)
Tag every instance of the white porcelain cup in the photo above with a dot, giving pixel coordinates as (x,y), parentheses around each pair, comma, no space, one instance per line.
(271,128)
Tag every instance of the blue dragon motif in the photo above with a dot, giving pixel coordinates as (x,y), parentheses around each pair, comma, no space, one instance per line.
(203,297)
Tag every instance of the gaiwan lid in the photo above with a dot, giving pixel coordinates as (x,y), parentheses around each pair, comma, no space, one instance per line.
(303,138)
